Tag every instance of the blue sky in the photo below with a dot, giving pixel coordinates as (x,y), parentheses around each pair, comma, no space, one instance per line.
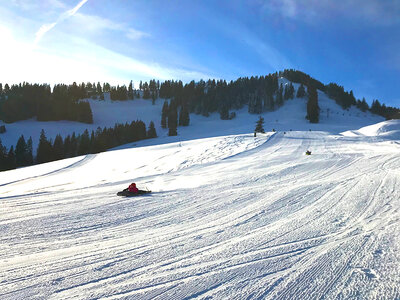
(355,43)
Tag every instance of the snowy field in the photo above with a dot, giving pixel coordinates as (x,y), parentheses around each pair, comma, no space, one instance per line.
(233,217)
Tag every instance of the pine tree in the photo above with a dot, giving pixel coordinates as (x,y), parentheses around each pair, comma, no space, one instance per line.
(164,115)
(172,119)
(84,143)
(67,147)
(146,91)
(279,96)
(58,148)
(312,105)
(252,104)
(184,118)
(258,104)
(97,145)
(44,151)
(291,91)
(151,133)
(11,161)
(6,89)
(376,107)
(83,93)
(260,125)
(73,149)
(301,92)
(85,114)
(3,157)
(130,91)
(92,142)
(21,152)
(99,91)
(224,112)
(172,131)
(364,105)
(29,153)
(286,94)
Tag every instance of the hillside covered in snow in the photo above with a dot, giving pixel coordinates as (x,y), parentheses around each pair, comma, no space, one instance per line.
(233,216)
(106,113)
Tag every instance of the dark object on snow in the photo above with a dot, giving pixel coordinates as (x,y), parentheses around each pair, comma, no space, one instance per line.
(2,129)
(127,193)
(308,152)
(132,191)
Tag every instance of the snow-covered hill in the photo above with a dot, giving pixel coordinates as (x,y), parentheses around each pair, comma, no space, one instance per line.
(230,217)
(384,130)
(106,113)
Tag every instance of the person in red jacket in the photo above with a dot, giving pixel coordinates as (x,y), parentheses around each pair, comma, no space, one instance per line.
(132,188)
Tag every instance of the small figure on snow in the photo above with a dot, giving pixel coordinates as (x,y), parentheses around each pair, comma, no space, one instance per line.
(308,152)
(132,190)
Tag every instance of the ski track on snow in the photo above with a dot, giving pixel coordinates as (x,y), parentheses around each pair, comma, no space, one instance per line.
(234,217)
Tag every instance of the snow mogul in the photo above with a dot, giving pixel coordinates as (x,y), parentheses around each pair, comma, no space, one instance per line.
(132,191)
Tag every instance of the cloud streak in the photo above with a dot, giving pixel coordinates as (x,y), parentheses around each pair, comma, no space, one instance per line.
(377,12)
(47,27)
(96,24)
(69,63)
(134,34)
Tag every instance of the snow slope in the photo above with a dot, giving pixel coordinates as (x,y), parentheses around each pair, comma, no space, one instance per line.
(106,113)
(384,130)
(231,217)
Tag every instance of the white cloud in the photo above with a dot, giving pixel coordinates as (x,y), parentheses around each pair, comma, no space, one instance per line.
(73,11)
(42,30)
(97,25)
(376,12)
(73,54)
(77,60)
(46,27)
(31,5)
(134,34)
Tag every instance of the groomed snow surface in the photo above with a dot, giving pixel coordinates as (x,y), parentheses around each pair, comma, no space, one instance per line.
(231,217)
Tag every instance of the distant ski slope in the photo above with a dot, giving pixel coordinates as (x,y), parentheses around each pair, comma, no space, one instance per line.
(233,217)
(291,116)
